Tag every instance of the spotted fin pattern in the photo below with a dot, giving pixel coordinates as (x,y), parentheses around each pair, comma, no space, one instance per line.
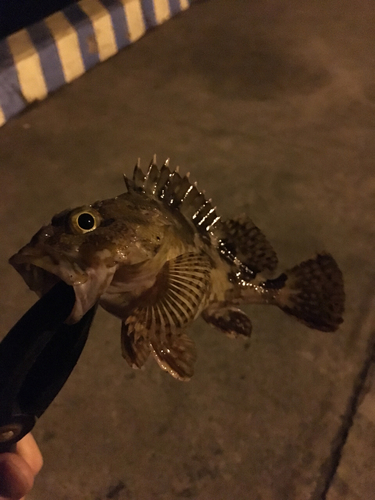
(246,242)
(313,292)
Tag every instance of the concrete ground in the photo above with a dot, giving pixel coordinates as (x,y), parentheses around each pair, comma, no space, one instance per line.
(271,106)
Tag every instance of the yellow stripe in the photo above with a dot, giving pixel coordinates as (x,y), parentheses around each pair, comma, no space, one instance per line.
(67,45)
(134,17)
(184,4)
(2,117)
(162,12)
(27,62)
(102,25)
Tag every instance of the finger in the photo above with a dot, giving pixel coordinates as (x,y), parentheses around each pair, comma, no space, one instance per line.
(16,474)
(29,451)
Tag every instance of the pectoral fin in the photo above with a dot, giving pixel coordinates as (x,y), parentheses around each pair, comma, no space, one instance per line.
(176,298)
(160,314)
(176,355)
(230,320)
(135,348)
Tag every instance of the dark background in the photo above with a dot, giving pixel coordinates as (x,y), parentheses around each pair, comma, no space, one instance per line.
(17,14)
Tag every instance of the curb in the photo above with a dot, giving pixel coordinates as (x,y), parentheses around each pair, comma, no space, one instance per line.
(41,58)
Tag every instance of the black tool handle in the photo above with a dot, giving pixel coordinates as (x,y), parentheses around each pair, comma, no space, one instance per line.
(36,358)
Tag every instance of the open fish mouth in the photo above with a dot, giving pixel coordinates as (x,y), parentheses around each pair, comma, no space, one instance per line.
(41,274)
(42,271)
(38,279)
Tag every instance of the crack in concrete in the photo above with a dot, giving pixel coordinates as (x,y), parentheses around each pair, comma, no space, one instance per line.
(329,467)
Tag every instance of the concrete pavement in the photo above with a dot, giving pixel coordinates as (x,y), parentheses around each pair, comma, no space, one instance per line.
(272,109)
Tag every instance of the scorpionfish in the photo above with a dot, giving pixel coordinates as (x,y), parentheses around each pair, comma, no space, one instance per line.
(158,256)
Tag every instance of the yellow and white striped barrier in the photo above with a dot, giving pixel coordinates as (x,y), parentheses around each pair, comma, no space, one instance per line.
(41,58)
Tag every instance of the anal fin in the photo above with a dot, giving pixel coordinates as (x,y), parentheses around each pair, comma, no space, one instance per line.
(230,320)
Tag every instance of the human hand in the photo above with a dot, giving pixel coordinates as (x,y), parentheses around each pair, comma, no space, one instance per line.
(18,469)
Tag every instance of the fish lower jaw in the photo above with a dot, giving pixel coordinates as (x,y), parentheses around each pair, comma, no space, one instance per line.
(89,292)
(38,279)
(41,276)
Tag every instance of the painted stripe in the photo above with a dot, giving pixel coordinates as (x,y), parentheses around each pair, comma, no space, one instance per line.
(162,11)
(28,66)
(119,23)
(101,23)
(2,117)
(67,45)
(134,16)
(44,56)
(11,100)
(86,35)
(185,4)
(49,57)
(174,5)
(149,13)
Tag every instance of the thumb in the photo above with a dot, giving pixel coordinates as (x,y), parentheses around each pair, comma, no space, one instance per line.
(16,476)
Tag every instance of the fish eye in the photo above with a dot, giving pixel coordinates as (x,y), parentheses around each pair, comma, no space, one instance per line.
(84,221)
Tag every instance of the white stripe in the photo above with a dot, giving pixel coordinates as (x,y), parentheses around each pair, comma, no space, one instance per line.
(27,63)
(103,29)
(184,4)
(162,11)
(2,117)
(67,45)
(134,17)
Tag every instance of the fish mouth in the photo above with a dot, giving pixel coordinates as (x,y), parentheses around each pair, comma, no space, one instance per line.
(37,279)
(42,273)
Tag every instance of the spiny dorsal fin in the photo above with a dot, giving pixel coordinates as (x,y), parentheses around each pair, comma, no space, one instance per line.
(176,192)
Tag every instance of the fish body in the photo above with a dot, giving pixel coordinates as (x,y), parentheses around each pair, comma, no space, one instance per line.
(158,256)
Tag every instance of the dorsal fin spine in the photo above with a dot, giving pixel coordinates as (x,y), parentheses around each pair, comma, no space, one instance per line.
(175,191)
(138,178)
(127,183)
(204,219)
(151,179)
(213,223)
(187,192)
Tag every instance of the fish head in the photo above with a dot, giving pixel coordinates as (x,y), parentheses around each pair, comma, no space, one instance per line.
(85,246)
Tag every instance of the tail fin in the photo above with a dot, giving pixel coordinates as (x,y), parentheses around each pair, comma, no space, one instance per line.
(314,293)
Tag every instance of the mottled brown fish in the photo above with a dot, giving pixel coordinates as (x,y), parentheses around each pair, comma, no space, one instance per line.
(158,256)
